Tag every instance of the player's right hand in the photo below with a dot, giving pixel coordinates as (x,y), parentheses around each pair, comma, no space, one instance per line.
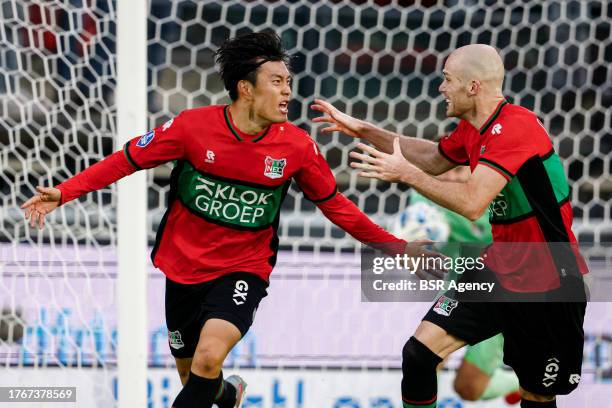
(36,208)
(340,122)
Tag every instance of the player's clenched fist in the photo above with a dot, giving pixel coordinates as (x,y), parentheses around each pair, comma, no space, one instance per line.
(36,208)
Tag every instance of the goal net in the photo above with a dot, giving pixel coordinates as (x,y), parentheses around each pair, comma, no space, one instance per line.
(378,60)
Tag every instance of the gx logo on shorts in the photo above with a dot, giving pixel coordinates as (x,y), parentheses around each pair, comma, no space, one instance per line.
(240,292)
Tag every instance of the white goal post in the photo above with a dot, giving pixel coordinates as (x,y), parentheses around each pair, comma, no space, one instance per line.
(132,252)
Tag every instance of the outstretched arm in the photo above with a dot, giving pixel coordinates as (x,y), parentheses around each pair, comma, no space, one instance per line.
(470,198)
(422,153)
(158,146)
(98,176)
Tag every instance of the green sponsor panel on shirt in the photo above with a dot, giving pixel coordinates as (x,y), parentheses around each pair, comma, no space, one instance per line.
(511,203)
(229,202)
(556,173)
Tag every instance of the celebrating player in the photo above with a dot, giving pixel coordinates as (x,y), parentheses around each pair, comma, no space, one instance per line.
(217,242)
(481,375)
(516,171)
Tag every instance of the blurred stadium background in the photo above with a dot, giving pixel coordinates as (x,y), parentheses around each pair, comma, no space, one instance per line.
(378,60)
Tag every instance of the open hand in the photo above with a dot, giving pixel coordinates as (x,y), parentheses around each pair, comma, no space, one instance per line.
(36,208)
(387,167)
(340,122)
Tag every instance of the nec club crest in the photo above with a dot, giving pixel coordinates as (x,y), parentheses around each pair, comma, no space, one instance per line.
(274,167)
(445,305)
(175,340)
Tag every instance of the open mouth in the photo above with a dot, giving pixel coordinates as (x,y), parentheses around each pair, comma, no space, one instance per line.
(283,107)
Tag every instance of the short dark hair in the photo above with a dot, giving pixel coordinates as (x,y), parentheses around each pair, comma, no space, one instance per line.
(240,57)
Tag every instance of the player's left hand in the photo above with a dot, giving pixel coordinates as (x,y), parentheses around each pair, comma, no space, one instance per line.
(387,167)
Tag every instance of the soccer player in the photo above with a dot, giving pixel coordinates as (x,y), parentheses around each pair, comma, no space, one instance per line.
(516,171)
(217,242)
(481,375)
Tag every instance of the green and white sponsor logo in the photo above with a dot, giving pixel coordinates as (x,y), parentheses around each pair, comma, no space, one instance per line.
(498,209)
(228,201)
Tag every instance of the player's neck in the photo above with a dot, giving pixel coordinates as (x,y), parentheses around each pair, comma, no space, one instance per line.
(483,109)
(245,120)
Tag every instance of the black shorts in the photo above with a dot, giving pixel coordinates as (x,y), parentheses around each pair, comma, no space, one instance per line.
(543,341)
(233,298)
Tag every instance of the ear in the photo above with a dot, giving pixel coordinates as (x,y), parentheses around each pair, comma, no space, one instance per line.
(245,89)
(474,87)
